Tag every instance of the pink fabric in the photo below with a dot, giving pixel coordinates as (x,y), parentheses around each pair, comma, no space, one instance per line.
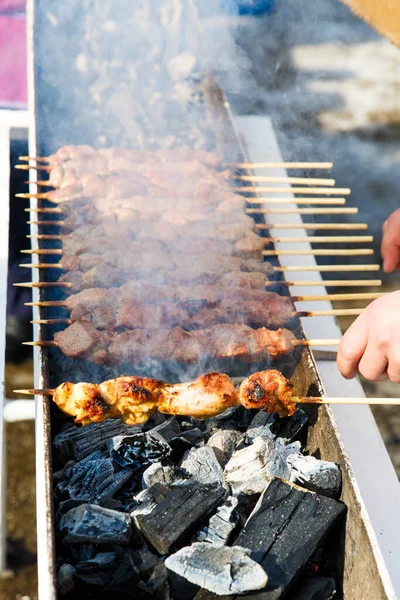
(13,88)
(12,6)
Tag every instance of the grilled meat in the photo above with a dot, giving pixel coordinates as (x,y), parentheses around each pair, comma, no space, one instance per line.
(127,313)
(107,276)
(135,399)
(140,346)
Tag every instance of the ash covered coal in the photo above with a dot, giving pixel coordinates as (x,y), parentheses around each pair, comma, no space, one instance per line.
(156,520)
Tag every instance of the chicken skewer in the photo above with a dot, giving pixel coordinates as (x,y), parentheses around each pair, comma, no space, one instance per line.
(136,399)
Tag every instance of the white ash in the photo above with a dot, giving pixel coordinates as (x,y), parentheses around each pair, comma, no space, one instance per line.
(202,465)
(222,524)
(222,570)
(317,475)
(250,469)
(224,442)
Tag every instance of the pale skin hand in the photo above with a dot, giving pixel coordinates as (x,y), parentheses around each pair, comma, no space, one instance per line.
(372,344)
(390,248)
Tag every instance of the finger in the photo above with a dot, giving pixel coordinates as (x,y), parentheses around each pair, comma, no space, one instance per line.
(351,347)
(373,363)
(385,226)
(390,252)
(393,369)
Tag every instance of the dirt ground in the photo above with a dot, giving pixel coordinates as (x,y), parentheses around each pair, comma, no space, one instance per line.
(331,86)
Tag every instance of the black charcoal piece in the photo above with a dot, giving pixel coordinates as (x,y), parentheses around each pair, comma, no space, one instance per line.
(193,438)
(221,525)
(181,588)
(138,450)
(157,585)
(178,514)
(147,499)
(224,442)
(317,475)
(92,479)
(98,570)
(316,588)
(94,524)
(202,465)
(133,565)
(168,429)
(75,442)
(157,473)
(249,470)
(219,569)
(284,530)
(66,578)
(290,428)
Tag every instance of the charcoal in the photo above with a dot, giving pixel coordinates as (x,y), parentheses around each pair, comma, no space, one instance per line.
(75,442)
(94,524)
(284,530)
(157,585)
(193,438)
(250,469)
(92,479)
(222,524)
(224,442)
(138,450)
(316,588)
(317,475)
(147,500)
(178,514)
(156,473)
(66,505)
(202,465)
(168,429)
(181,588)
(99,570)
(232,418)
(66,578)
(289,428)
(221,570)
(133,565)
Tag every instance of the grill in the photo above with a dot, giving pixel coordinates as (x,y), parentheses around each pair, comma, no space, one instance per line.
(367,578)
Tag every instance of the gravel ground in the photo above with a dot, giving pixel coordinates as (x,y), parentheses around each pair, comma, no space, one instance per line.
(331,86)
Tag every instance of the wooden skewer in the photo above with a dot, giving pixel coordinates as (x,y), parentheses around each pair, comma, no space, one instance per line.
(44,210)
(333,297)
(314,226)
(283,165)
(42,344)
(44,183)
(299,180)
(294,399)
(42,266)
(43,158)
(293,190)
(297,200)
(47,168)
(327,268)
(328,283)
(46,223)
(322,239)
(302,211)
(62,303)
(315,342)
(43,284)
(339,252)
(51,321)
(43,251)
(39,196)
(45,236)
(334,312)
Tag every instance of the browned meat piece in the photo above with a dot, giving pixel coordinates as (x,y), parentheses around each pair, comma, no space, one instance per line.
(138,346)
(268,390)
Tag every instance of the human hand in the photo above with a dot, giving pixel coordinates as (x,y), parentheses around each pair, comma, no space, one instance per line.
(371,345)
(390,248)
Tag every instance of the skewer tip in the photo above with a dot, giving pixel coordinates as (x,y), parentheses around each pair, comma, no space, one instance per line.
(36,392)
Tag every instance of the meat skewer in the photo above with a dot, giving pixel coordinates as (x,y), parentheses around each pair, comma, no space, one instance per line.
(140,346)
(136,399)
